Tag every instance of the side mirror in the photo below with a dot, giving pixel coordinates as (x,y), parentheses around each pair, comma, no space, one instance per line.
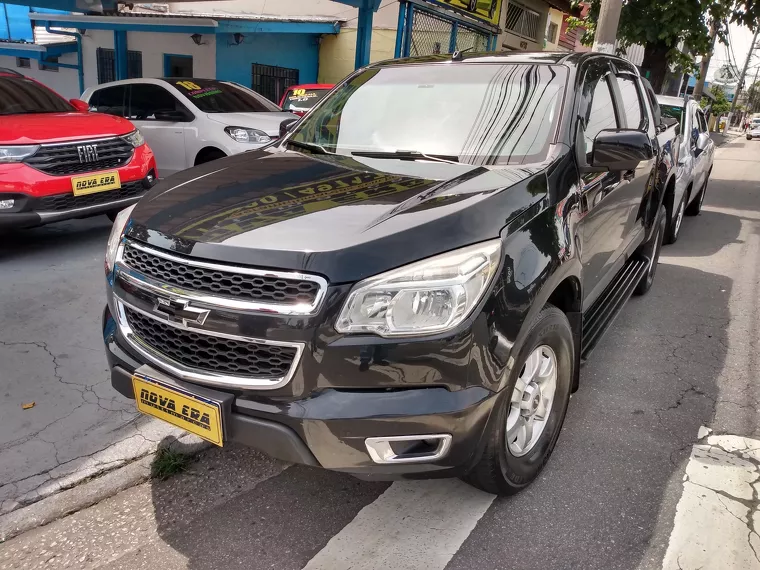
(286,126)
(80,105)
(171,116)
(620,149)
(703,140)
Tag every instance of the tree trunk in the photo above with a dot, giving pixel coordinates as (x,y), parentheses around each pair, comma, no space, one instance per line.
(655,64)
(703,67)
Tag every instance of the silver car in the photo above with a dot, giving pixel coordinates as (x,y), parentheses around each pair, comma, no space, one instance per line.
(695,160)
(753,132)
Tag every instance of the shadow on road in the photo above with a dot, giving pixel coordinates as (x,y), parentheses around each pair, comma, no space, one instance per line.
(64,237)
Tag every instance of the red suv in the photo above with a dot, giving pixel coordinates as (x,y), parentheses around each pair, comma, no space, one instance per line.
(59,161)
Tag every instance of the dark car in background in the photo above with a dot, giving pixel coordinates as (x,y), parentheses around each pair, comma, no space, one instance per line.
(406,292)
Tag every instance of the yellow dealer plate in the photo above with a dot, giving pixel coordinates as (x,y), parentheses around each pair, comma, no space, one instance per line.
(82,185)
(198,415)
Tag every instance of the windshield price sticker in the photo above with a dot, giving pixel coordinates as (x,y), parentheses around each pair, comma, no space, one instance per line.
(196,91)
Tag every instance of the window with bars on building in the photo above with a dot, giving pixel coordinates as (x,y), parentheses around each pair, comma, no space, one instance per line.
(551,33)
(24,62)
(107,65)
(523,21)
(271,81)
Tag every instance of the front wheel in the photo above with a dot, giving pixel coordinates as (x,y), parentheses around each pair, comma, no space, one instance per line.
(530,410)
(651,252)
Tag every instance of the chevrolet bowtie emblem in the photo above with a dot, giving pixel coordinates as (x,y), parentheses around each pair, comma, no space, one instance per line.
(181,312)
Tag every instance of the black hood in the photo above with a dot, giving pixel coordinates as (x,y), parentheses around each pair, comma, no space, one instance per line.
(331,215)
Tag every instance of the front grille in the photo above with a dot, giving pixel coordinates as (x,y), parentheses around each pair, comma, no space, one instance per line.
(64,202)
(259,288)
(65,159)
(212,354)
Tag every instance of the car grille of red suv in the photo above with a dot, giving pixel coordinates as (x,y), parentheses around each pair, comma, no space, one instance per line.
(81,157)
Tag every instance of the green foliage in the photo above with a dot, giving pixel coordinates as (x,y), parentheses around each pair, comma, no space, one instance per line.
(721,104)
(168,463)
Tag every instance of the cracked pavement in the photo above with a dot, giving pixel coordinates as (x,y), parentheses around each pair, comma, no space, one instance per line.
(51,299)
(657,467)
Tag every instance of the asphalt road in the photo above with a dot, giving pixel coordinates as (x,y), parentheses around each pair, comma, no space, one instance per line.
(682,357)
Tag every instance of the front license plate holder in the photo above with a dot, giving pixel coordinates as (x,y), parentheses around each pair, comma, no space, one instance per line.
(197,410)
(93,183)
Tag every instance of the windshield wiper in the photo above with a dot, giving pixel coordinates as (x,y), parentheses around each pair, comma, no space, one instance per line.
(313,147)
(406,155)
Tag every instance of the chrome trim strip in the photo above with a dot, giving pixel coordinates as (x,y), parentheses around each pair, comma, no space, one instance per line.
(65,214)
(86,141)
(380,450)
(158,286)
(210,378)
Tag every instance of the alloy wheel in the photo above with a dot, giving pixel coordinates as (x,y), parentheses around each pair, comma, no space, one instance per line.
(531,401)
(679,216)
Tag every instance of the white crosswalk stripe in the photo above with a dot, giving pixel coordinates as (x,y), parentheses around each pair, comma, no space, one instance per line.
(413,525)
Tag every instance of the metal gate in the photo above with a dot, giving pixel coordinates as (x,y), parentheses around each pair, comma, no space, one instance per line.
(272,81)
(425,30)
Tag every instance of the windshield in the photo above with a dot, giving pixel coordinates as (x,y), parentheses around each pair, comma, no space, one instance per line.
(479,113)
(223,97)
(22,96)
(303,99)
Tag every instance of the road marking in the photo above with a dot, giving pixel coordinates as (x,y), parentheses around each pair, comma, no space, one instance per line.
(717,518)
(412,525)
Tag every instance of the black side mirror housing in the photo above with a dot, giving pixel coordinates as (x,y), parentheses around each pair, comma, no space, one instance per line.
(286,126)
(620,149)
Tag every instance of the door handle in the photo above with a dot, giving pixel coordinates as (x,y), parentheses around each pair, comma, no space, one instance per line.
(629,175)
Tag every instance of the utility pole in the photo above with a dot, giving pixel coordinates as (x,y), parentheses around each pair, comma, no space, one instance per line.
(741,79)
(751,101)
(607,25)
(705,64)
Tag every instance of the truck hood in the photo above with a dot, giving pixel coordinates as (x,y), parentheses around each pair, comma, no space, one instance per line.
(267,122)
(335,215)
(60,127)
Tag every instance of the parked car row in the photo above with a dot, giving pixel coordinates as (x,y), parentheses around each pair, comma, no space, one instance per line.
(71,159)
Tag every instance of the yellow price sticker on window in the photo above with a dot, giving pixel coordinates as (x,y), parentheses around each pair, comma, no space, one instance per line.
(299,92)
(189,85)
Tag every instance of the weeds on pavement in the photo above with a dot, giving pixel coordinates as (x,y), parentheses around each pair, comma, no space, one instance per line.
(168,463)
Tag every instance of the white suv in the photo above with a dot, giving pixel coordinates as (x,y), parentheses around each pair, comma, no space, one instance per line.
(191,121)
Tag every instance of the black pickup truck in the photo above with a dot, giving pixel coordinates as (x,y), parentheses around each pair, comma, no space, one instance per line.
(407,282)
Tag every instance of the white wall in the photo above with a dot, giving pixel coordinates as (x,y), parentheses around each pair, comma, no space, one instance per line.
(65,82)
(386,17)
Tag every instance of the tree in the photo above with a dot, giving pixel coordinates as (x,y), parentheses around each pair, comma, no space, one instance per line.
(661,27)
(721,105)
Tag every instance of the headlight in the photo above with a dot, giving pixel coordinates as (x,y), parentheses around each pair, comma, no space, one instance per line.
(244,135)
(17,153)
(117,232)
(427,297)
(135,138)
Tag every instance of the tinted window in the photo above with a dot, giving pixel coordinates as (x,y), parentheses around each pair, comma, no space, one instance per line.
(22,96)
(601,113)
(482,114)
(222,97)
(632,110)
(303,99)
(110,100)
(147,100)
(702,122)
(179,65)
(671,112)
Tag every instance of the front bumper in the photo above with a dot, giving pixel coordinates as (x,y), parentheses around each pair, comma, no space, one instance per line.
(42,199)
(329,427)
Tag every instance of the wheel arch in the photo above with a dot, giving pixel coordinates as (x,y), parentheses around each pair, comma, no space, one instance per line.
(205,151)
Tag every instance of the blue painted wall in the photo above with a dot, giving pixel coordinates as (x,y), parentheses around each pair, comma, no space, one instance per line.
(296,51)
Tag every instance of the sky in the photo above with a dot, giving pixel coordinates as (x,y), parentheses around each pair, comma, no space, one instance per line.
(741,39)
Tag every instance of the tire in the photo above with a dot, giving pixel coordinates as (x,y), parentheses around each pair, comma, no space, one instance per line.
(695,207)
(651,250)
(676,221)
(749,138)
(502,469)
(208,156)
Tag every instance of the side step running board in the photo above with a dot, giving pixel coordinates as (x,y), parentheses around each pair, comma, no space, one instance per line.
(602,314)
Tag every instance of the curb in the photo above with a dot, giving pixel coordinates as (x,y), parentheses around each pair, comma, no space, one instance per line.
(86,494)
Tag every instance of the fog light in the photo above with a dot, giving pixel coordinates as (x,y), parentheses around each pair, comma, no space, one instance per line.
(150,178)
(6,204)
